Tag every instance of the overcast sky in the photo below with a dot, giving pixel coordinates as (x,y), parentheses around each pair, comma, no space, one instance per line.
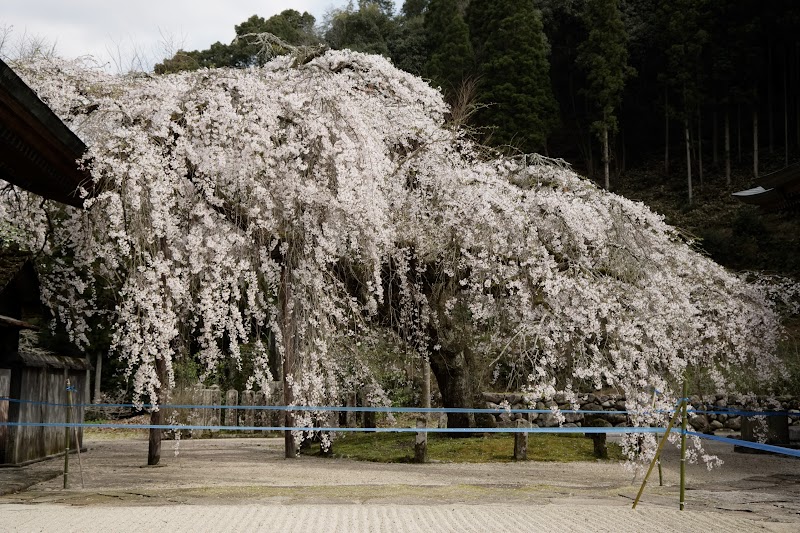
(110,28)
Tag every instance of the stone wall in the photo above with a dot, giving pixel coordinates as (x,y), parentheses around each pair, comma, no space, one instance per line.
(703,423)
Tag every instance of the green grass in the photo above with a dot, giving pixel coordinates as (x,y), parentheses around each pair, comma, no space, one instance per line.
(492,448)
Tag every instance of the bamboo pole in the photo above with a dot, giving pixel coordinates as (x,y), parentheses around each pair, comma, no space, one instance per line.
(66,436)
(78,448)
(658,454)
(683,447)
(660,472)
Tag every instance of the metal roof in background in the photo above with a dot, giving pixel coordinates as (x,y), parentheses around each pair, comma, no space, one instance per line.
(38,152)
(776,191)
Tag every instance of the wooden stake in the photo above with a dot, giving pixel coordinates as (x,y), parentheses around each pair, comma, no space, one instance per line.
(683,447)
(66,436)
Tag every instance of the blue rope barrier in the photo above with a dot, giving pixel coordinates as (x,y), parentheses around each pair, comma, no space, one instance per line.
(736,412)
(337,408)
(748,444)
(397,409)
(620,430)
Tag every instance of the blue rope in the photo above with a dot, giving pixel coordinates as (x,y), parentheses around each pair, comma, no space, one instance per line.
(729,412)
(319,408)
(747,444)
(343,429)
(736,412)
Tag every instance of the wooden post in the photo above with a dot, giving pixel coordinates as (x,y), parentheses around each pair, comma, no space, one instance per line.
(261,417)
(683,446)
(216,413)
(248,415)
(231,400)
(350,416)
(66,435)
(421,445)
(521,441)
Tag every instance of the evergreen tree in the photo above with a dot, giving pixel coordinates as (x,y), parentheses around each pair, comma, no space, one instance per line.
(414,8)
(604,58)
(291,26)
(511,54)
(686,35)
(369,29)
(409,47)
(448,44)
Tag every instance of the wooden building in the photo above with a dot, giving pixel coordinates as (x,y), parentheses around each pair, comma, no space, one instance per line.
(34,379)
(38,153)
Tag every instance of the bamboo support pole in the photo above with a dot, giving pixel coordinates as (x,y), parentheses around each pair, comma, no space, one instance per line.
(78,449)
(683,447)
(660,472)
(66,435)
(658,452)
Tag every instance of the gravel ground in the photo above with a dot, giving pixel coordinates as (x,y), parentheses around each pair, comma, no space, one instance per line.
(245,484)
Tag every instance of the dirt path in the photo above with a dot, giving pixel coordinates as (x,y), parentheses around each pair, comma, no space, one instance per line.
(235,484)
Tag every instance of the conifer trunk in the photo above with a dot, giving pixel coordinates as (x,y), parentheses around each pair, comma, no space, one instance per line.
(605,155)
(700,146)
(785,111)
(727,147)
(739,131)
(770,98)
(755,142)
(688,157)
(715,140)
(797,91)
(666,132)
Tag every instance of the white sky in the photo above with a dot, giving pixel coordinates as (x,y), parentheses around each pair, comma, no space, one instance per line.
(115,30)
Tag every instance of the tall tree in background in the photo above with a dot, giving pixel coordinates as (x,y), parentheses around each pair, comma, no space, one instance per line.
(451,58)
(686,35)
(414,8)
(408,49)
(511,55)
(370,28)
(604,57)
(289,25)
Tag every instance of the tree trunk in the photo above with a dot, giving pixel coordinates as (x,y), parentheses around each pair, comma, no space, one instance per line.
(797,91)
(98,374)
(624,152)
(287,330)
(157,417)
(688,157)
(700,146)
(666,132)
(755,142)
(785,111)
(605,156)
(770,106)
(739,130)
(426,386)
(715,140)
(727,148)
(454,377)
